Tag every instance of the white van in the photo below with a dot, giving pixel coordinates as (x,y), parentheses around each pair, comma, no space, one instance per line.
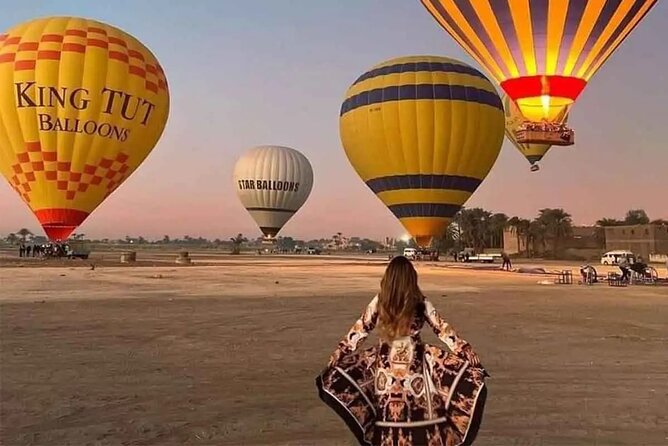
(612,257)
(410,253)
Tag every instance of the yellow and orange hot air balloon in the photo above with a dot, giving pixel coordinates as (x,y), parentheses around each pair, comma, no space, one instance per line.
(541,52)
(82,104)
(422,132)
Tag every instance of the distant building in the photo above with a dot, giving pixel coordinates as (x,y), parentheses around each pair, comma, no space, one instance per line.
(513,243)
(643,240)
(582,238)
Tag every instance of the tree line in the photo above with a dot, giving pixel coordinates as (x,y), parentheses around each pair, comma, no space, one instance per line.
(474,228)
(480,229)
(25,236)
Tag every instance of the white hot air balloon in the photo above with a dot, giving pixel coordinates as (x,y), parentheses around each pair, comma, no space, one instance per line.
(272,183)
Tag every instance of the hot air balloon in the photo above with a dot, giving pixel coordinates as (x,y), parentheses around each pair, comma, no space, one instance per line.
(542,52)
(422,132)
(81,106)
(514,119)
(272,183)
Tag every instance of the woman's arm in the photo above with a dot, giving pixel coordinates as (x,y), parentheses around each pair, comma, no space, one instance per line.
(358,332)
(448,335)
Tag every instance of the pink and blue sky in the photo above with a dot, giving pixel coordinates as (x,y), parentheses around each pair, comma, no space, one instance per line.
(274,72)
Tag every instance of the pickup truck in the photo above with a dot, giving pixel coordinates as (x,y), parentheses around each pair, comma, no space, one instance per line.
(77,251)
(483,258)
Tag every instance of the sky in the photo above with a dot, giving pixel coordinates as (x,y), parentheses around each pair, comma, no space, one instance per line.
(242,74)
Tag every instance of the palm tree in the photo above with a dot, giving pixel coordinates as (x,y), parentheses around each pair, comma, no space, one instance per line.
(497,224)
(605,222)
(480,228)
(523,229)
(473,224)
(24,234)
(454,231)
(536,234)
(463,224)
(12,238)
(636,217)
(520,227)
(557,225)
(513,224)
(448,240)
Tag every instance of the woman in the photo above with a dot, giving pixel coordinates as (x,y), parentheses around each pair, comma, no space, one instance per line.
(403,391)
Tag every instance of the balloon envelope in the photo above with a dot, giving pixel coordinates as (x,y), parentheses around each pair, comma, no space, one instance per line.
(272,183)
(422,132)
(81,106)
(542,52)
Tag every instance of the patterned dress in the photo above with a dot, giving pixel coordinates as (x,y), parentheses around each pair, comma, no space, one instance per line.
(405,393)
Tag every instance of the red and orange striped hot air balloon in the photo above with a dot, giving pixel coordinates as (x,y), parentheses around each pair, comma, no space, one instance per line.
(82,104)
(541,52)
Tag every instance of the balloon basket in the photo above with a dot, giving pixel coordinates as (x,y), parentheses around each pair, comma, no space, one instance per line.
(184,258)
(534,168)
(554,135)
(128,257)
(271,241)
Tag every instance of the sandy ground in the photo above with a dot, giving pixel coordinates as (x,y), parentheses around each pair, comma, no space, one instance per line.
(227,354)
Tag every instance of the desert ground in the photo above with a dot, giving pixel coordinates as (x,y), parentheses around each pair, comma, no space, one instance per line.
(225,352)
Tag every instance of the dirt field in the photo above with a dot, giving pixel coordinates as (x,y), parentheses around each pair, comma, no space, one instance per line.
(227,354)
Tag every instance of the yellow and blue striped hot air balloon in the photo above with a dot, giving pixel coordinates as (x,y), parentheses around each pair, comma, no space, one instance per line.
(542,52)
(514,119)
(422,132)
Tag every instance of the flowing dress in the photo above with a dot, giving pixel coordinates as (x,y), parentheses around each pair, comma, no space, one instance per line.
(405,392)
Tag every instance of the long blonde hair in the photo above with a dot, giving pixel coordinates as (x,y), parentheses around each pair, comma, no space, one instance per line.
(398,298)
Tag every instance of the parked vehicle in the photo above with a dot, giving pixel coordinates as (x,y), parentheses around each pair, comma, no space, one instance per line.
(313,251)
(483,258)
(469,255)
(410,253)
(613,257)
(77,250)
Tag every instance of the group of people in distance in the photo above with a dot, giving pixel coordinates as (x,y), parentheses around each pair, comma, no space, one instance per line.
(565,133)
(43,250)
(544,126)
